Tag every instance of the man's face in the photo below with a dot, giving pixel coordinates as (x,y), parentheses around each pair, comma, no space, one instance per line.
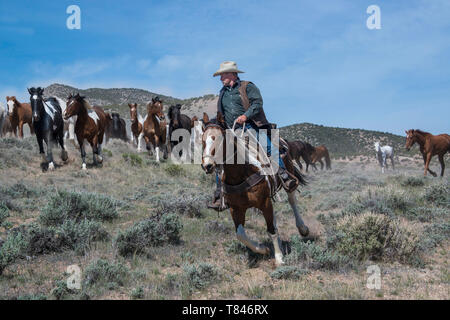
(227,78)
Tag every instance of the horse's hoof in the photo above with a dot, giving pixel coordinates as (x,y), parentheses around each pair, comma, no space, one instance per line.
(303,230)
(51,166)
(100,159)
(83,167)
(64,156)
(279,259)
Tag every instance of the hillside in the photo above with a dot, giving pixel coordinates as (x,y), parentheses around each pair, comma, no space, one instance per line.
(117,99)
(344,142)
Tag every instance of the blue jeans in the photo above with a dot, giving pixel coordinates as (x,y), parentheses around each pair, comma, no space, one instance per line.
(269,148)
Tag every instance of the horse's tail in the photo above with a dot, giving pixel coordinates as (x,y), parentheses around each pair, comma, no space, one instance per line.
(301,178)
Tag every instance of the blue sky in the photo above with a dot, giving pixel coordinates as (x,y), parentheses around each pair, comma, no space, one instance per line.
(314,61)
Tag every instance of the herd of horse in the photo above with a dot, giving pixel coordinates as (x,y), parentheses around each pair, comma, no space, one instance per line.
(53,120)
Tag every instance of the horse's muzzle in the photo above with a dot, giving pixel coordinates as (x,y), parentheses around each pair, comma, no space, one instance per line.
(36,117)
(208,168)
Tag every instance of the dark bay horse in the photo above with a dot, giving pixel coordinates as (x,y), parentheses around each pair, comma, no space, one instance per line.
(91,124)
(319,153)
(430,145)
(19,114)
(299,149)
(178,121)
(256,192)
(117,128)
(48,124)
(137,125)
(155,128)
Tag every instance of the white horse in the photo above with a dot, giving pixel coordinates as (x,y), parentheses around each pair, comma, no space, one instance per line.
(383,153)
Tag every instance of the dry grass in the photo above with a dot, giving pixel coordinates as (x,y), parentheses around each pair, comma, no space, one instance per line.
(162,272)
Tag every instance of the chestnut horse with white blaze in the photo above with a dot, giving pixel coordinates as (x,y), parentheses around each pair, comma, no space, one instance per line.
(91,125)
(155,128)
(430,145)
(19,114)
(245,187)
(137,126)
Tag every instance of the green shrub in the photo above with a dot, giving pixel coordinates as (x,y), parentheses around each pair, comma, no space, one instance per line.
(105,272)
(200,275)
(438,194)
(11,249)
(174,170)
(157,230)
(185,204)
(435,234)
(79,236)
(312,255)
(412,182)
(373,236)
(133,159)
(137,293)
(4,213)
(289,272)
(77,206)
(426,214)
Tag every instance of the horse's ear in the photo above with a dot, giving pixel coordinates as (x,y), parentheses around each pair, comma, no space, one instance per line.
(129,105)
(220,118)
(205,117)
(29,91)
(41,91)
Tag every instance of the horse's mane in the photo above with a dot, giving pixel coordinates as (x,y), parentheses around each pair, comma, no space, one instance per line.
(424,133)
(86,104)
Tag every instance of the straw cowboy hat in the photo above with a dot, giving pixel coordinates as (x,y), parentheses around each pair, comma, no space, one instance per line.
(227,66)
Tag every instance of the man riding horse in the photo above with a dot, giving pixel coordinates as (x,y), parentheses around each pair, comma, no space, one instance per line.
(241,102)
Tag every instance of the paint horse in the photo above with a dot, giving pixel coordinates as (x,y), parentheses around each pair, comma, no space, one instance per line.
(430,145)
(155,128)
(383,153)
(48,125)
(91,125)
(19,115)
(137,126)
(245,187)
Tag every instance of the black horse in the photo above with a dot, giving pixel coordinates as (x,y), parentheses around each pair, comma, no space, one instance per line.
(117,128)
(178,121)
(48,124)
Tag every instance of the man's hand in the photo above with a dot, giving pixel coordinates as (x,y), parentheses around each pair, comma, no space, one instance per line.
(241,119)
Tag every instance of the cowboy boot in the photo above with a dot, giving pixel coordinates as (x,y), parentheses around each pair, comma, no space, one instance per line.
(216,203)
(288,182)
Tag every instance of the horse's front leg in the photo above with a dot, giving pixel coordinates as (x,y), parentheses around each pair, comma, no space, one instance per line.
(271,223)
(21,129)
(49,142)
(139,141)
(427,165)
(157,148)
(83,153)
(302,228)
(238,216)
(392,161)
(64,155)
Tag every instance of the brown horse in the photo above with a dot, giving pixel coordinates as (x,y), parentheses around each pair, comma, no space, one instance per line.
(155,128)
(245,187)
(137,126)
(91,124)
(430,145)
(299,149)
(319,153)
(19,114)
